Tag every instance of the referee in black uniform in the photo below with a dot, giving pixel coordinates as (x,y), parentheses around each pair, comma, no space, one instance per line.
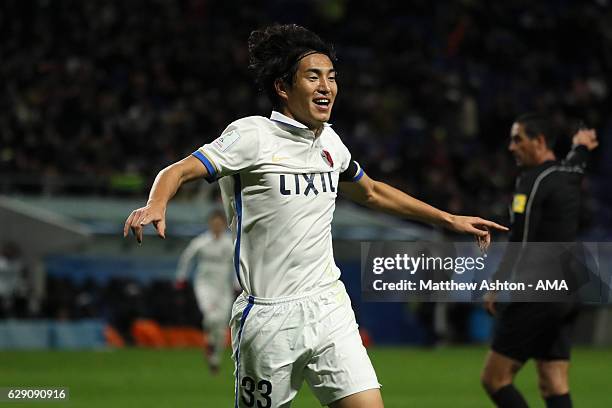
(545,208)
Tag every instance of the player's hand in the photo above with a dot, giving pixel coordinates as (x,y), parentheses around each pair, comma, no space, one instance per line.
(585,137)
(477,226)
(149,214)
(489,299)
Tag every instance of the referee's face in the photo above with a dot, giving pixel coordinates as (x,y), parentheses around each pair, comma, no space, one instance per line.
(523,148)
(311,97)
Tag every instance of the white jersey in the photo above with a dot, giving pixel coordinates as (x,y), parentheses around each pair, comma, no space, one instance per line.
(279,185)
(213,258)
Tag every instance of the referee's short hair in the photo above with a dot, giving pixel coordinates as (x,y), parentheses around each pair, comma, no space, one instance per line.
(536,124)
(275,53)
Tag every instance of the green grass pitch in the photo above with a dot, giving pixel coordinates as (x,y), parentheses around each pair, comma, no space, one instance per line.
(447,377)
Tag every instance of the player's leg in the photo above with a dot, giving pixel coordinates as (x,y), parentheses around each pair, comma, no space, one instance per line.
(497,379)
(216,320)
(553,381)
(517,332)
(268,370)
(553,355)
(202,295)
(363,399)
(339,372)
(216,326)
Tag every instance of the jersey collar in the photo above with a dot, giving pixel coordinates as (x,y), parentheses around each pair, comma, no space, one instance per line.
(279,117)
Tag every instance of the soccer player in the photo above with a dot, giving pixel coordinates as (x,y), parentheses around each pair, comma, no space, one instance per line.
(213,284)
(545,208)
(279,178)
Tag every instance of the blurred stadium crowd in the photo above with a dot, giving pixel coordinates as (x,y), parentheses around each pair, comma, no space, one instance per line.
(97,97)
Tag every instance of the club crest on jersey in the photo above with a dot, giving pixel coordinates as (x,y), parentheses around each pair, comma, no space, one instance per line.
(327,157)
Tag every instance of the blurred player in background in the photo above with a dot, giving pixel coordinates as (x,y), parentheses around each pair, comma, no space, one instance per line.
(279,179)
(213,285)
(545,208)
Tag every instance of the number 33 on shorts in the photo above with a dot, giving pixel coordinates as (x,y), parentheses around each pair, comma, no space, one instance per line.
(256,393)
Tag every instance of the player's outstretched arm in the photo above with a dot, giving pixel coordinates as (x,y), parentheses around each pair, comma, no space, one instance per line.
(383,197)
(164,187)
(185,263)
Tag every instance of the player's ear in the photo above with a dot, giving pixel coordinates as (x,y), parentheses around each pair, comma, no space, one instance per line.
(541,140)
(281,89)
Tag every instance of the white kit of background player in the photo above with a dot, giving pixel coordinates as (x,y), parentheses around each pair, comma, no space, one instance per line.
(211,253)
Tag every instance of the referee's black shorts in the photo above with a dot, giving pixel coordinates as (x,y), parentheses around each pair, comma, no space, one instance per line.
(541,331)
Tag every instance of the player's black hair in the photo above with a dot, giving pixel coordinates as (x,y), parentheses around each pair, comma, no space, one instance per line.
(536,124)
(275,53)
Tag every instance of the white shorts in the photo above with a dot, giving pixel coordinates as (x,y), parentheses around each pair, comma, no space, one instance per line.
(279,343)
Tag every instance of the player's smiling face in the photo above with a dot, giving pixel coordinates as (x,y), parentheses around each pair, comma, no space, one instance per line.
(311,97)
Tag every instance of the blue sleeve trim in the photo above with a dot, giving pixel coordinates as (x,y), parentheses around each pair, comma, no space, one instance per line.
(211,178)
(359,175)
